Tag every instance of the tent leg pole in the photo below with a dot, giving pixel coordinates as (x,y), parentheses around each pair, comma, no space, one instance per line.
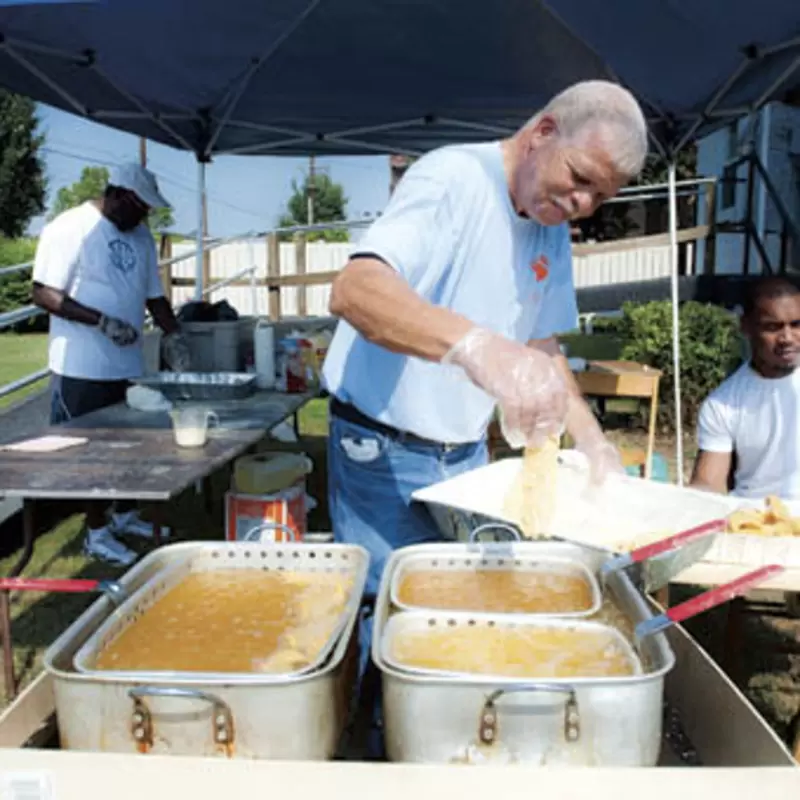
(676,350)
(198,260)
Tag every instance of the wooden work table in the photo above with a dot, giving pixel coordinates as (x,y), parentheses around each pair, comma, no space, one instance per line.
(128,455)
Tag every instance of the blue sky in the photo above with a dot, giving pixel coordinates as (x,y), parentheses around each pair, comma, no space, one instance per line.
(245,193)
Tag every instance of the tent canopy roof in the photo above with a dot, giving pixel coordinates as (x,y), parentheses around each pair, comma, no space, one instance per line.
(361,76)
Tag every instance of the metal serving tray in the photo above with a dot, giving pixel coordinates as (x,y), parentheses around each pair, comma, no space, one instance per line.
(419,621)
(200,385)
(349,560)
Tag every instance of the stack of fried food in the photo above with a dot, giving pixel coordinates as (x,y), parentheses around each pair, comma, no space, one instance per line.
(774,519)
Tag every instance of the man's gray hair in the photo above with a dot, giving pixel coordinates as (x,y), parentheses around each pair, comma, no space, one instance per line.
(610,111)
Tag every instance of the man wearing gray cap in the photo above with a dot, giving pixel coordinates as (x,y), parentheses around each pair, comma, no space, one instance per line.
(95,272)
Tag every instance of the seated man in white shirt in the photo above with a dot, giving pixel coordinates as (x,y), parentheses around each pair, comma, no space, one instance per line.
(748,432)
(95,271)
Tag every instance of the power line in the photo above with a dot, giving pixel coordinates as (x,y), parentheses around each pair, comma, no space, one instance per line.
(212,198)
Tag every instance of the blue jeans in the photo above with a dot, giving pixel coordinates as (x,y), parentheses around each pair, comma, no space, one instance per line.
(74,397)
(371,478)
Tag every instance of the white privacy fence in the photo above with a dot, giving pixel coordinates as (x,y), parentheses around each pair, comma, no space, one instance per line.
(603,268)
(249,300)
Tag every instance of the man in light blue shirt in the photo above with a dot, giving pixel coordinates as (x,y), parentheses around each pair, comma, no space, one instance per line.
(451,305)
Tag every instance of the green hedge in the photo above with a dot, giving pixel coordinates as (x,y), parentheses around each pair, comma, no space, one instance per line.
(710,349)
(15,289)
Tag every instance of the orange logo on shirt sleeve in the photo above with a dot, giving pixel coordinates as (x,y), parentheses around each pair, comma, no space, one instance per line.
(541,268)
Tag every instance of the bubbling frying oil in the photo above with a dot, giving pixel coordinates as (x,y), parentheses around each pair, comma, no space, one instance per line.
(517,652)
(496,590)
(236,620)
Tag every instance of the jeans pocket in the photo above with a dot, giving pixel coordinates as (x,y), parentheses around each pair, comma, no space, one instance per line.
(361,447)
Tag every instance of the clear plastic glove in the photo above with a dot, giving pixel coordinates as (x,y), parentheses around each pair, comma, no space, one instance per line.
(604,459)
(177,353)
(526,383)
(118,331)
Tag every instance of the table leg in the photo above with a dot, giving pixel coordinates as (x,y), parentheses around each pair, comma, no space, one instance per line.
(734,631)
(29,534)
(651,432)
(208,495)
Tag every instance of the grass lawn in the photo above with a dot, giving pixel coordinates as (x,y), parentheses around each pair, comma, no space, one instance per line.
(20,355)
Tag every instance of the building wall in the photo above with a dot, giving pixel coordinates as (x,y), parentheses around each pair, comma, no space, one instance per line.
(775,134)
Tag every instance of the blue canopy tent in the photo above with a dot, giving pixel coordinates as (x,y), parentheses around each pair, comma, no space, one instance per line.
(379,76)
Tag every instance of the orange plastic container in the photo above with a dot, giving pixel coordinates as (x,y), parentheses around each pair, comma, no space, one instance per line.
(286,510)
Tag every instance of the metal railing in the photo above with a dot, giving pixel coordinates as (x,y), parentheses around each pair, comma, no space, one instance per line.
(9,319)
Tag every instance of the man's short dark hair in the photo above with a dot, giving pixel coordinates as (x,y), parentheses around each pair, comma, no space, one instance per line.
(768,288)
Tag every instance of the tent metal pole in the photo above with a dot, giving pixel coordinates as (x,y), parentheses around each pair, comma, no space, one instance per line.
(46,80)
(676,350)
(265,146)
(712,104)
(779,48)
(198,260)
(137,103)
(778,82)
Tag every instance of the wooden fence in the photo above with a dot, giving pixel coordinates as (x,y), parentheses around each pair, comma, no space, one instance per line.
(297,275)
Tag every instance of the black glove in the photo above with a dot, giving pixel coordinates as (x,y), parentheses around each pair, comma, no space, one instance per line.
(177,353)
(120,332)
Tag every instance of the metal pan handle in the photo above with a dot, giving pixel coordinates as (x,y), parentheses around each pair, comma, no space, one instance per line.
(142,720)
(487,727)
(514,533)
(111,589)
(256,534)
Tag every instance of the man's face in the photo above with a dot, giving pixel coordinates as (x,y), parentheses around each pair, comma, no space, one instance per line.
(125,209)
(774,332)
(556,181)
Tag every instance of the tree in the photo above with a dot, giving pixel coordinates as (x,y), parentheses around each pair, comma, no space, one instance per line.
(22,181)
(330,205)
(655,169)
(91,186)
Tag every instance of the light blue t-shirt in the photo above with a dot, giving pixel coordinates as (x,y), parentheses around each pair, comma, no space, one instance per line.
(451,231)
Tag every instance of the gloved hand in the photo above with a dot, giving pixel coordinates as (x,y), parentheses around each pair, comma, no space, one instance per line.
(120,332)
(604,458)
(176,352)
(526,383)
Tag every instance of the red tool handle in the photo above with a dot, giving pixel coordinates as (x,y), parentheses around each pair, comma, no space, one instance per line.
(49,585)
(671,542)
(721,594)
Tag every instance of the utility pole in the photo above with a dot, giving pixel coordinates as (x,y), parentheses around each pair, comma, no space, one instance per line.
(312,188)
(143,151)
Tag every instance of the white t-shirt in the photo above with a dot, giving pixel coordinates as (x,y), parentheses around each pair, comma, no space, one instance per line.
(451,231)
(85,255)
(757,419)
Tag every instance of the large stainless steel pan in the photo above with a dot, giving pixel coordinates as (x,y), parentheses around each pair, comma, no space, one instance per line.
(300,718)
(346,561)
(614,722)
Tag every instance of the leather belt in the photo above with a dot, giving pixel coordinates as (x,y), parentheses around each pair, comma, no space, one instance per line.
(349,413)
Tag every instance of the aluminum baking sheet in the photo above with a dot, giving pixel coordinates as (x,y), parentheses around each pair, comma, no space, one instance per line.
(201,385)
(349,560)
